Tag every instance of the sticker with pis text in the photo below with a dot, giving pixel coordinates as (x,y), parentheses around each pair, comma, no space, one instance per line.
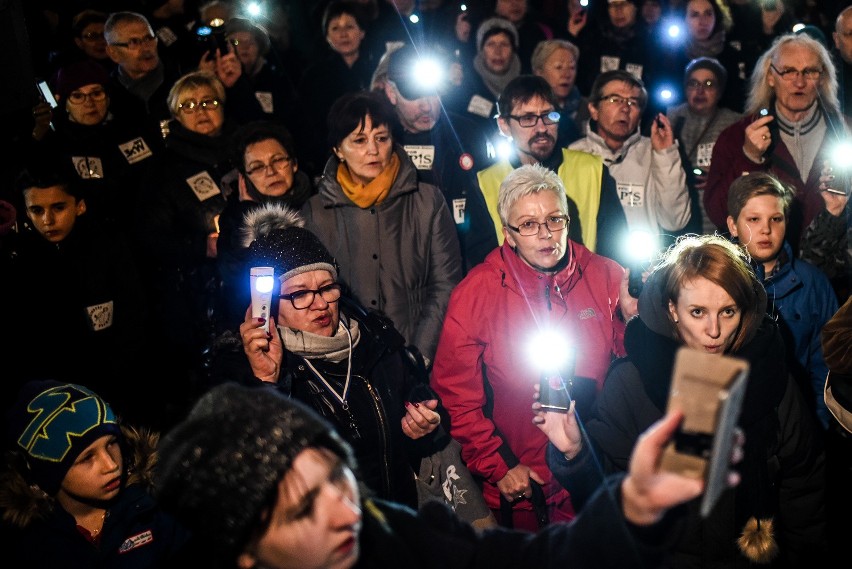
(634,69)
(609,63)
(480,106)
(704,153)
(422,156)
(631,195)
(265,100)
(100,315)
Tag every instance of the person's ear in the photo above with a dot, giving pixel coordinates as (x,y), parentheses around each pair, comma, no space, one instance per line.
(510,239)
(338,153)
(295,163)
(593,111)
(732,226)
(246,560)
(673,312)
(503,125)
(81,206)
(390,93)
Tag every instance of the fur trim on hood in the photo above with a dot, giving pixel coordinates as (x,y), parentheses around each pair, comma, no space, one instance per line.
(23,503)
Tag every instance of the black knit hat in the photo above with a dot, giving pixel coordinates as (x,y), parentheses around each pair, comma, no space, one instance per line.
(52,423)
(219,469)
(276,238)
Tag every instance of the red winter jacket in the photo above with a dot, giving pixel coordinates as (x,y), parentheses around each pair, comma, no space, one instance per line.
(482,360)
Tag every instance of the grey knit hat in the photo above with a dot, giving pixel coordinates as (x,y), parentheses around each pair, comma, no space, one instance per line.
(492,26)
(219,469)
(276,238)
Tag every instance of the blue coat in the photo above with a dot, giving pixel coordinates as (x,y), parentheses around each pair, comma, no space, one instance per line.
(801,299)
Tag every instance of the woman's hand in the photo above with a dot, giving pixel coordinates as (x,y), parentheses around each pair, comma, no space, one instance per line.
(577,22)
(42,115)
(265,351)
(225,66)
(516,484)
(562,429)
(420,418)
(629,306)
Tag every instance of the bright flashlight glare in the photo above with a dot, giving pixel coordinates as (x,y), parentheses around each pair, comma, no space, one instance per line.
(253,9)
(548,350)
(841,156)
(798,27)
(584,3)
(414,18)
(674,31)
(666,94)
(464,7)
(428,73)
(641,245)
(504,150)
(264,283)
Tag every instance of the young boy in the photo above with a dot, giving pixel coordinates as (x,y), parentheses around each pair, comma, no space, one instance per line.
(75,487)
(800,295)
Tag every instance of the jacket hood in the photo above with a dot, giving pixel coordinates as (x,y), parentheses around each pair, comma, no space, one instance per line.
(331,194)
(23,504)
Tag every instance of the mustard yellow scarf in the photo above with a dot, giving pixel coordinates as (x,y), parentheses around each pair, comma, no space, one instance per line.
(370,194)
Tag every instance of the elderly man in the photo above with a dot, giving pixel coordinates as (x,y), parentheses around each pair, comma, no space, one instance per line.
(446,148)
(527,115)
(792,122)
(648,170)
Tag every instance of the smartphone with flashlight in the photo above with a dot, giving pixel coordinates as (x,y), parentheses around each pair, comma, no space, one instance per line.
(46,94)
(262,281)
(553,393)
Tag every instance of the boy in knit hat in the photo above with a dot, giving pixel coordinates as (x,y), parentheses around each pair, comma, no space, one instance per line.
(74,487)
(279,491)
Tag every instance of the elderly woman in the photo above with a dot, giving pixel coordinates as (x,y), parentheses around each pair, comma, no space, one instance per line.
(108,155)
(556,62)
(267,172)
(537,280)
(704,296)
(698,122)
(393,237)
(349,364)
(176,225)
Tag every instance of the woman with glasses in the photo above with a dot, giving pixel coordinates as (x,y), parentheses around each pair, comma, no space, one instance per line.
(537,281)
(349,364)
(106,153)
(697,123)
(267,173)
(177,216)
(393,236)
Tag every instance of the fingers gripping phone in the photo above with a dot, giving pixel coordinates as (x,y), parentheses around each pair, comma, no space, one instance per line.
(553,393)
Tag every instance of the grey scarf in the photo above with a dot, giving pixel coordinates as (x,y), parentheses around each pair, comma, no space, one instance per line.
(496,83)
(315,347)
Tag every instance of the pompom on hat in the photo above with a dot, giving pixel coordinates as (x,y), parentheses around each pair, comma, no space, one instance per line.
(79,74)
(220,468)
(52,423)
(276,237)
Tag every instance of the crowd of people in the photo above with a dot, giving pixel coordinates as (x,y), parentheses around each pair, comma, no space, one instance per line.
(433,185)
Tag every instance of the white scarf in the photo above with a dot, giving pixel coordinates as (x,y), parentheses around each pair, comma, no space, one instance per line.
(315,347)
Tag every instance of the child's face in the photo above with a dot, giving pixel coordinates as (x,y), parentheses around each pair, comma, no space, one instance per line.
(760,227)
(96,474)
(53,211)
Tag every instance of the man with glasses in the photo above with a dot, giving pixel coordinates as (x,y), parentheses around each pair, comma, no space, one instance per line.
(141,82)
(791,127)
(527,115)
(647,170)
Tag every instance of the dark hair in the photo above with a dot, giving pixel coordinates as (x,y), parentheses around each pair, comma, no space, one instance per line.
(754,184)
(42,176)
(520,90)
(258,131)
(617,75)
(84,18)
(337,8)
(351,110)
